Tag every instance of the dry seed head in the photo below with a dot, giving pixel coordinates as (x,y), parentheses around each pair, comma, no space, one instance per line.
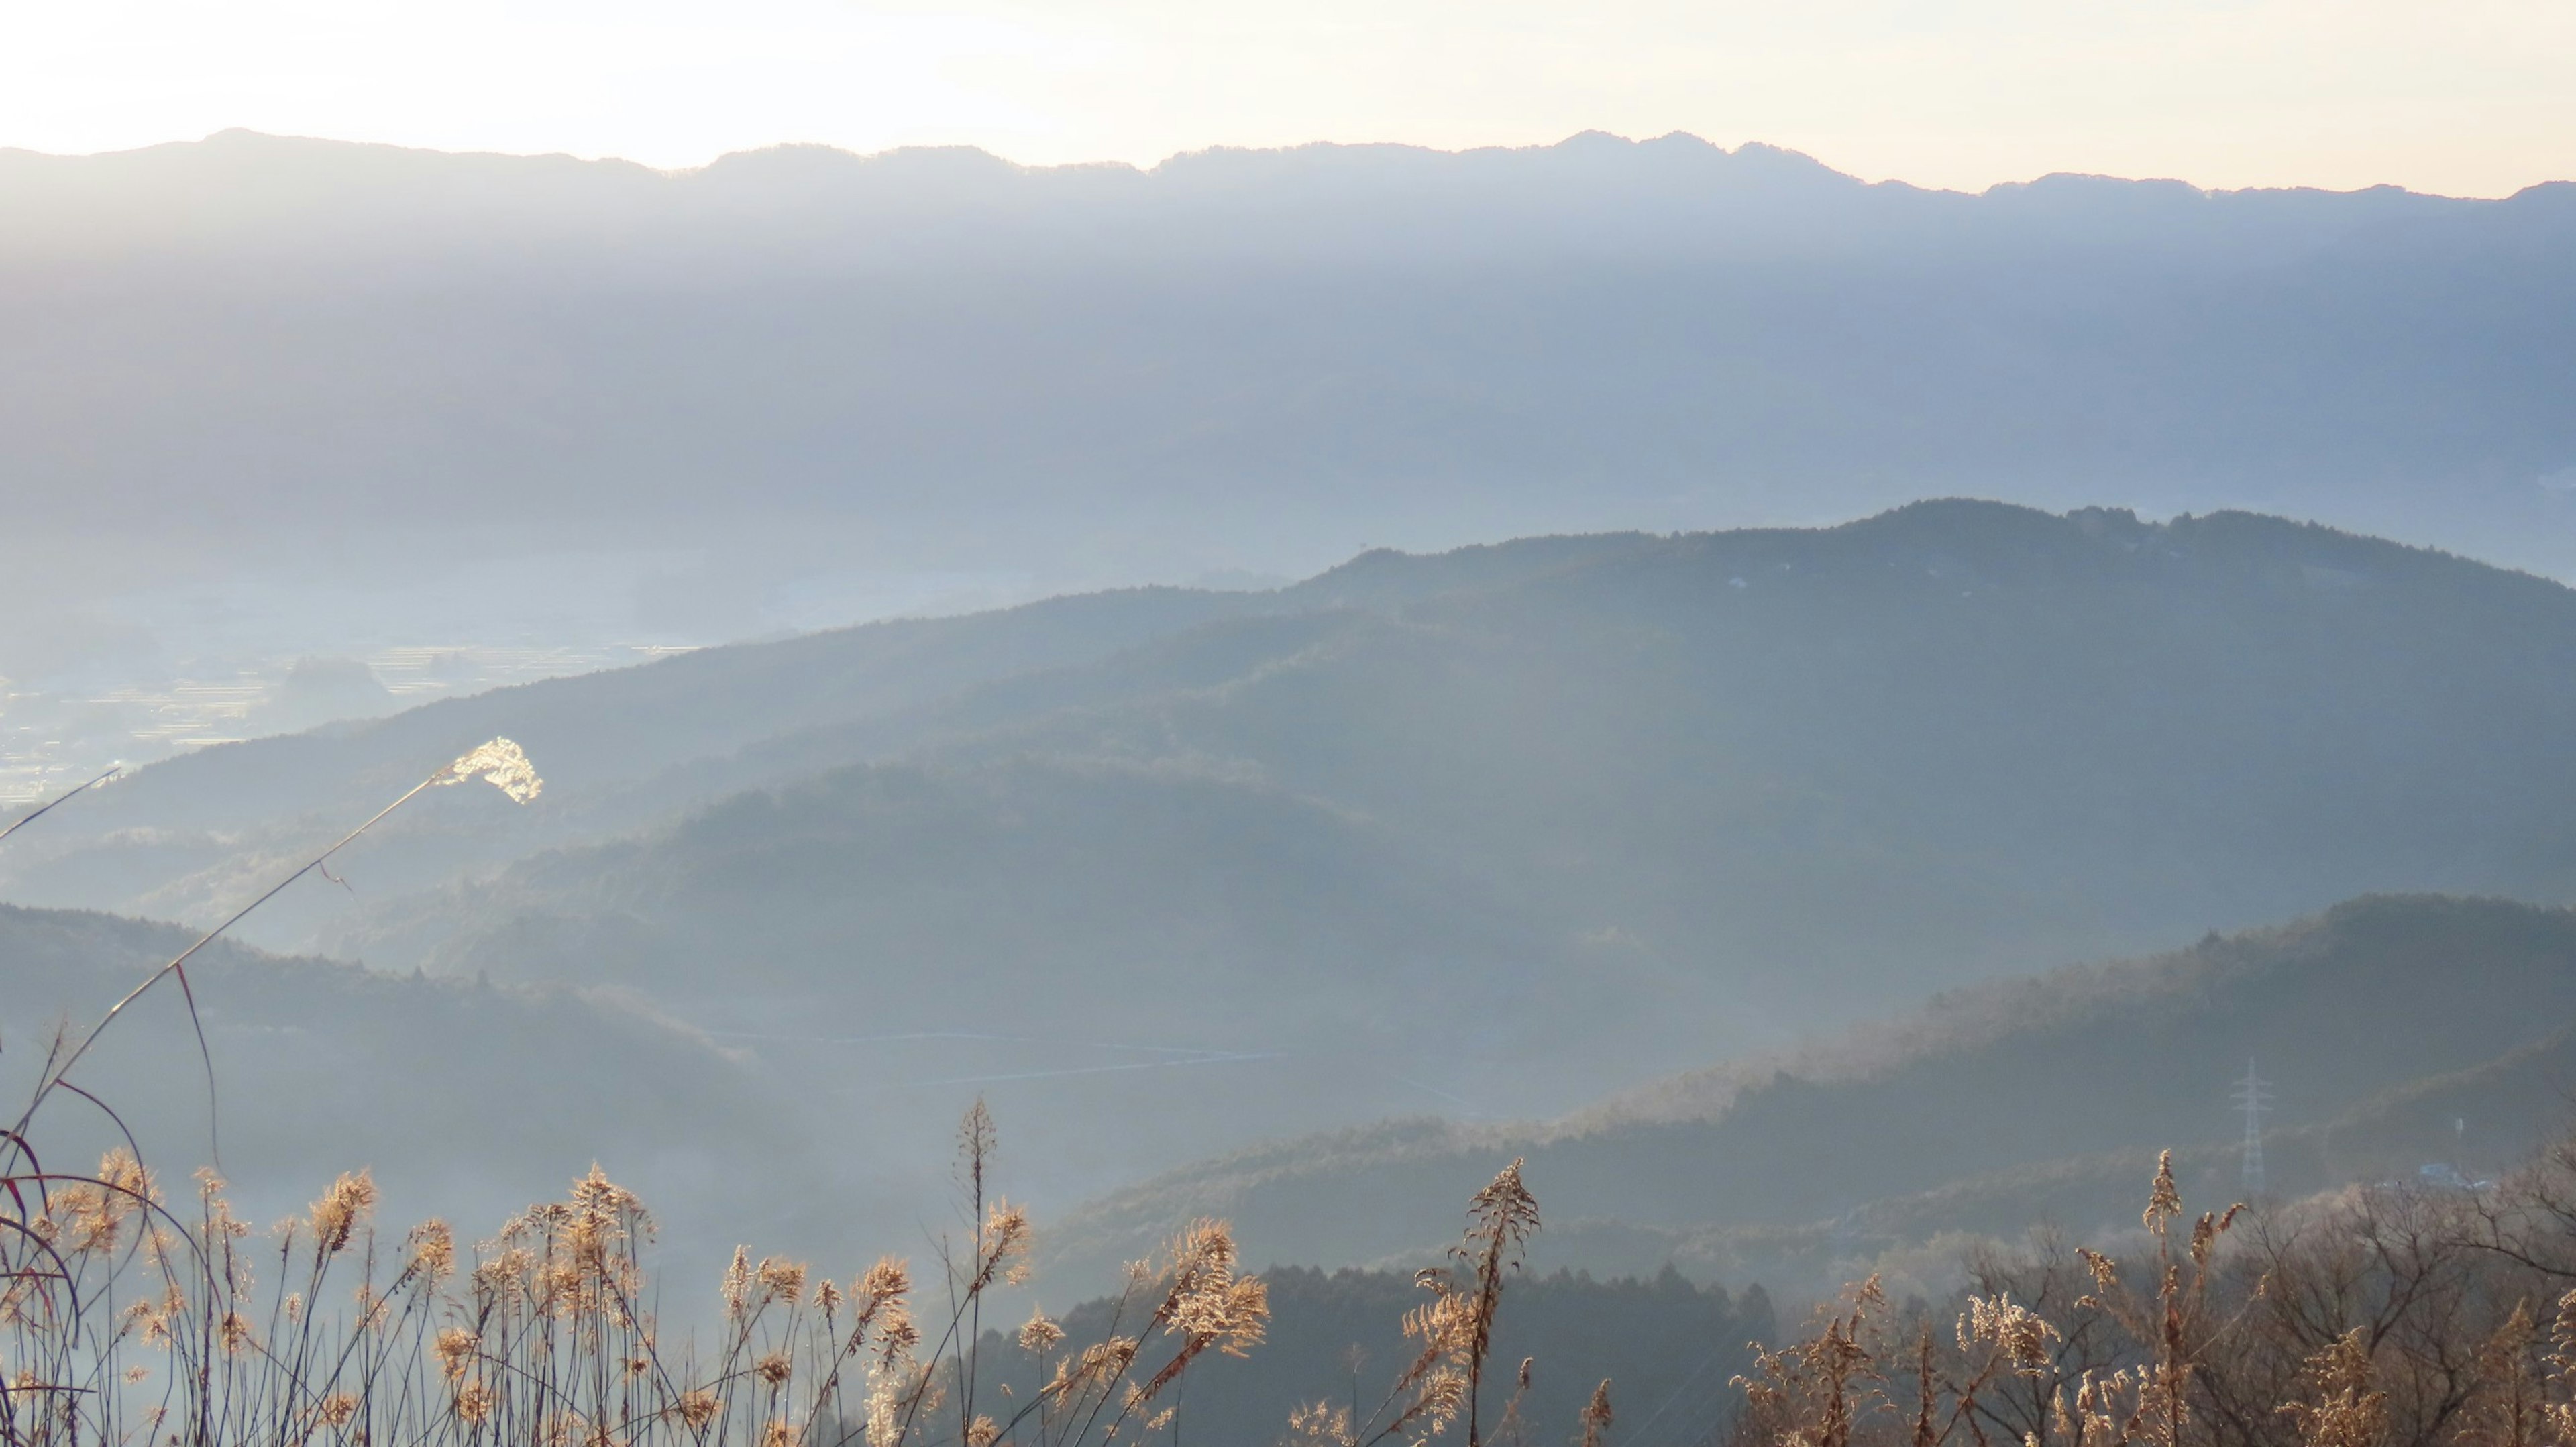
(696,1408)
(774,1369)
(896,1337)
(433,1251)
(473,1403)
(596,1195)
(338,1408)
(2206,1231)
(1443,1324)
(889,1280)
(981,1432)
(511,1271)
(884,1409)
(1231,1315)
(2019,1334)
(1320,1424)
(777,1434)
(1039,1334)
(340,1211)
(2345,1408)
(135,1374)
(1002,1240)
(2164,1200)
(125,1176)
(976,1142)
(782,1280)
(737,1282)
(1597,1414)
(456,1348)
(502,762)
(1505,1206)
(1444,1393)
(1101,1363)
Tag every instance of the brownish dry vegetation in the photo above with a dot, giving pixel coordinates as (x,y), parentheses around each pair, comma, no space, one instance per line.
(126,1320)
(2393,1315)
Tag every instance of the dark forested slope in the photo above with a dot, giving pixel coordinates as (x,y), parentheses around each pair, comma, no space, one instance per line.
(2394,1030)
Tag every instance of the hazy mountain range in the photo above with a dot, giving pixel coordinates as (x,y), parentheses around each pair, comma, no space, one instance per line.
(1490,835)
(244,375)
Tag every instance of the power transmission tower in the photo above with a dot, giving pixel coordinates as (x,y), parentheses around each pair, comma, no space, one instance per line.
(2253,1096)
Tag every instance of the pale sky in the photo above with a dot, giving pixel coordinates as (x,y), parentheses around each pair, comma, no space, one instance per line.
(2468,97)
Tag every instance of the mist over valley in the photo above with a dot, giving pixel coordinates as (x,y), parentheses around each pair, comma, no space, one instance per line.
(1137,744)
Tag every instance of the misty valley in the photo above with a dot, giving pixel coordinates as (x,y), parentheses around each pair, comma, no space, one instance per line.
(1636,857)
(1620,793)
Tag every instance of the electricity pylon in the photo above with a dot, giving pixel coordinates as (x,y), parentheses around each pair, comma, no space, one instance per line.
(2253,1096)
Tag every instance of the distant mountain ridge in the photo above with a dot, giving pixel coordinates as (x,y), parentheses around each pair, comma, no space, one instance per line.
(802,364)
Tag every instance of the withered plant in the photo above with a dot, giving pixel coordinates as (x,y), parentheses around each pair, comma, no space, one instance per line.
(124,1320)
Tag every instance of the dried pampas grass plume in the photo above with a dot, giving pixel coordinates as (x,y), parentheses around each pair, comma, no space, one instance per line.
(1039,1334)
(501,762)
(1597,1415)
(341,1209)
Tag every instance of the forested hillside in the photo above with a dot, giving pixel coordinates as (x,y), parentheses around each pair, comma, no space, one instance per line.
(465,1098)
(1486,836)
(2396,1032)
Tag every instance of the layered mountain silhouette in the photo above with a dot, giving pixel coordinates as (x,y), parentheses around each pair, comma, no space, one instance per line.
(465,1098)
(334,368)
(1487,835)
(2419,1039)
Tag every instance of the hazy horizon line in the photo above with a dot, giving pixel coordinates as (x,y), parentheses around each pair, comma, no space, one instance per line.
(1221,148)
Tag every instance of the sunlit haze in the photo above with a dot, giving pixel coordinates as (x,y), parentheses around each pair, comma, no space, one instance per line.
(2472,98)
(1299,703)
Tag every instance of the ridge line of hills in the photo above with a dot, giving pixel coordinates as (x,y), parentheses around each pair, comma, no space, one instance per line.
(2422,1036)
(932,364)
(1524,832)
(238,139)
